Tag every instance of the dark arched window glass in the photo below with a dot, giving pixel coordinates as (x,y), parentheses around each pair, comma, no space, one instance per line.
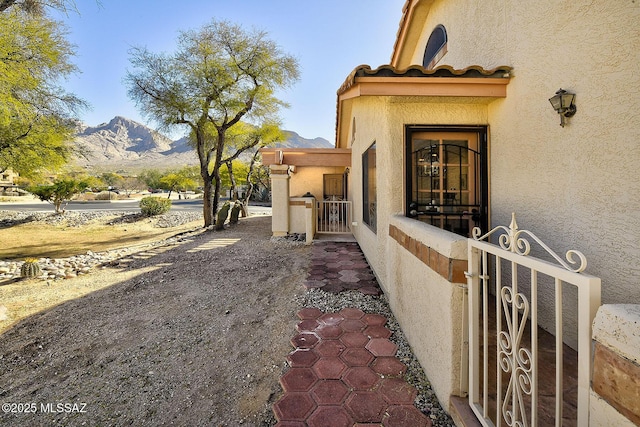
(436,47)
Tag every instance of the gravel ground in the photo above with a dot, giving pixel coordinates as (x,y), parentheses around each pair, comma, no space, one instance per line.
(80,218)
(195,333)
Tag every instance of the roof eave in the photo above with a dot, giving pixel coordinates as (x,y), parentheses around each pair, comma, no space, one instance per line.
(471,83)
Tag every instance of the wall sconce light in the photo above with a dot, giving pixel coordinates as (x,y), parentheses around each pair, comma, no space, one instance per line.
(562,102)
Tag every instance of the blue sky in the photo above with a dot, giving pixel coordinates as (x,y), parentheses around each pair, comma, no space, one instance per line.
(329,38)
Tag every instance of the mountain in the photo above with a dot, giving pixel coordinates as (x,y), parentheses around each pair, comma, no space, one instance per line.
(293,140)
(125,144)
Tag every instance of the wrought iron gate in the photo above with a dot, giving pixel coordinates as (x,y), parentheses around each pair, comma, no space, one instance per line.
(334,217)
(504,381)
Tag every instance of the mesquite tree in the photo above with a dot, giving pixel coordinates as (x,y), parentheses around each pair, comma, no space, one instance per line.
(219,75)
(247,139)
(60,192)
(37,7)
(37,116)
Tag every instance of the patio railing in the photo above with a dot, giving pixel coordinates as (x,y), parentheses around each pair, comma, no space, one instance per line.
(505,361)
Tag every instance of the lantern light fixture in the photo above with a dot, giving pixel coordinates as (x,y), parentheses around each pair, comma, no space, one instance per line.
(562,102)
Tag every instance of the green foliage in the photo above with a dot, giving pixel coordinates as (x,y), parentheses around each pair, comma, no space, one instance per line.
(93,182)
(181,180)
(151,177)
(111,179)
(36,113)
(130,184)
(59,192)
(242,138)
(37,7)
(152,205)
(239,168)
(184,179)
(219,75)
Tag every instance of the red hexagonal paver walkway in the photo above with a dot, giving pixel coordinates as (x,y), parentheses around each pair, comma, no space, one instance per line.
(343,369)
(341,266)
(346,377)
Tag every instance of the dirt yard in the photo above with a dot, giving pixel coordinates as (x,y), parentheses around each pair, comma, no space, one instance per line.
(190,334)
(58,236)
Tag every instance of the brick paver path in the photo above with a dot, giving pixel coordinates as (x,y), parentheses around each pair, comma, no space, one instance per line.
(341,266)
(343,367)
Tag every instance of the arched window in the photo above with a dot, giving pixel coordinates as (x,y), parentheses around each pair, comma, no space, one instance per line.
(436,47)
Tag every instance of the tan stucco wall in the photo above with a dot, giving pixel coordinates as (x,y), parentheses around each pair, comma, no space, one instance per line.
(309,178)
(577,186)
(303,217)
(601,413)
(382,120)
(427,306)
(280,199)
(297,215)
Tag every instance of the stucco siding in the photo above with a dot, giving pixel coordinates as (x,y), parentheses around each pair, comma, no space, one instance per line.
(383,120)
(427,305)
(309,179)
(576,186)
(371,126)
(421,300)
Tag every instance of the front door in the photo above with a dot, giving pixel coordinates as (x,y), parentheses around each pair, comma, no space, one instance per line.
(333,186)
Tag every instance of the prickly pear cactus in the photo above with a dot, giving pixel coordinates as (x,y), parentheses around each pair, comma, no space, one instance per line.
(30,268)
(223,213)
(235,212)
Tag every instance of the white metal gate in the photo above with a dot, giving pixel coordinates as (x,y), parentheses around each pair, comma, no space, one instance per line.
(334,217)
(506,279)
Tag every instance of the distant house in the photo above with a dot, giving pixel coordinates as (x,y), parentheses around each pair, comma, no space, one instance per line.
(7,181)
(458,132)
(7,177)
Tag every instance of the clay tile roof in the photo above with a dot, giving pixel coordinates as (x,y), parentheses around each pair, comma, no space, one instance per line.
(419,71)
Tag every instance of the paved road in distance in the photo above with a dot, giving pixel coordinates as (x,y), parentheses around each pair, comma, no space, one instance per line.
(120,205)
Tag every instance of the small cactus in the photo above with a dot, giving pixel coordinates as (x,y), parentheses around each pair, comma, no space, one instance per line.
(223,213)
(235,212)
(30,268)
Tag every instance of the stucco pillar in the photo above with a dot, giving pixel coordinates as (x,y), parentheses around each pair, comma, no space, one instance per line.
(310,219)
(279,199)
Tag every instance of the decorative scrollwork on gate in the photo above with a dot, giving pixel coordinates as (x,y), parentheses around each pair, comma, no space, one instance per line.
(334,217)
(514,359)
(515,240)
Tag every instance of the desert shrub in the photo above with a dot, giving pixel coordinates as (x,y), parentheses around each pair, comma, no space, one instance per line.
(60,192)
(152,205)
(105,195)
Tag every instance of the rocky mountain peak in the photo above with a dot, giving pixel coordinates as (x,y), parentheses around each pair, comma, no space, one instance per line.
(124,143)
(130,135)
